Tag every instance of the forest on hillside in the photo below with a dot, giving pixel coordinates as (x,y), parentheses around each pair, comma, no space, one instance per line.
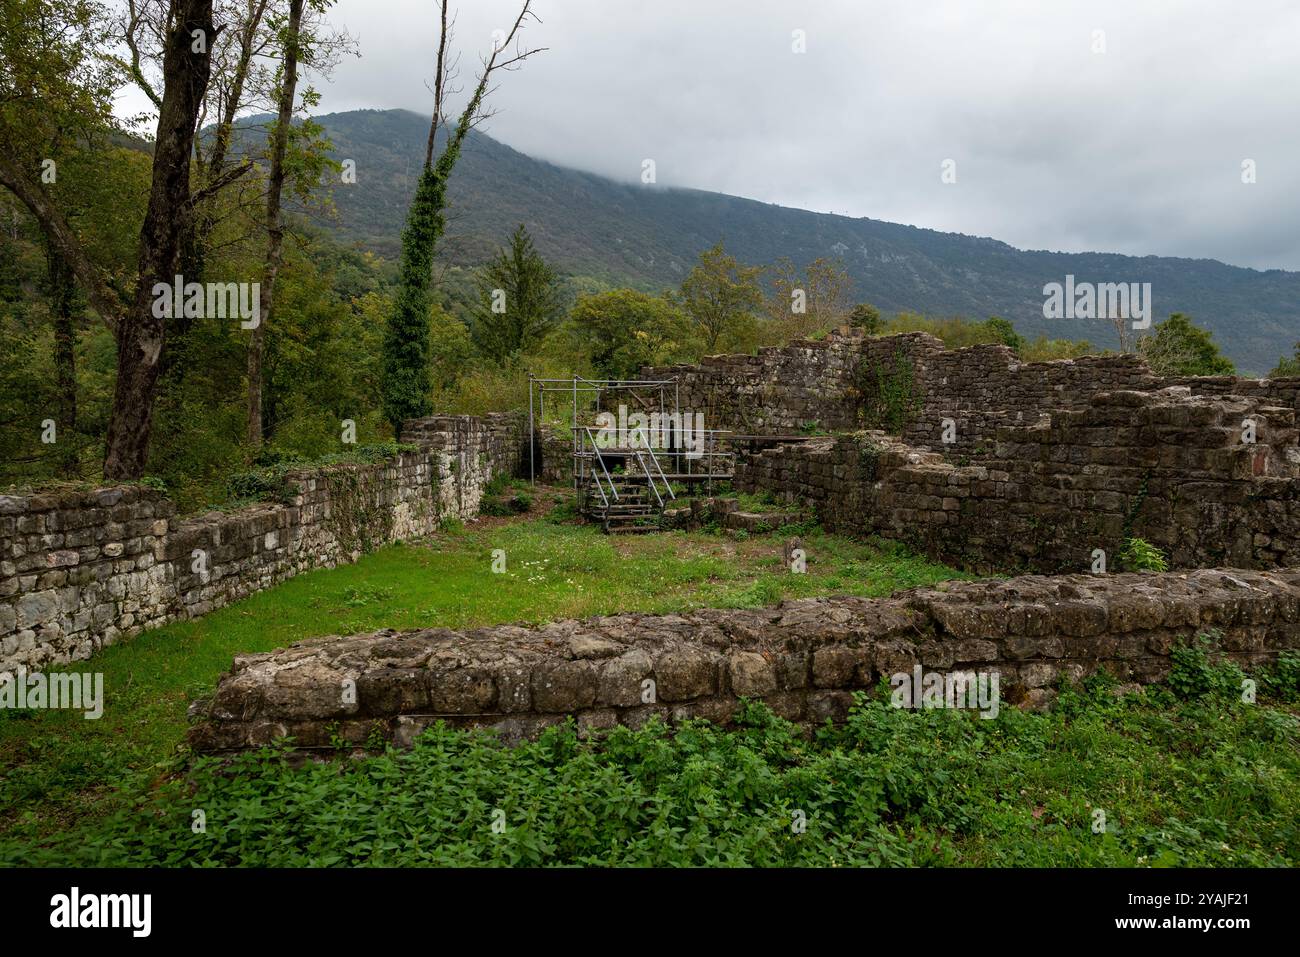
(176,305)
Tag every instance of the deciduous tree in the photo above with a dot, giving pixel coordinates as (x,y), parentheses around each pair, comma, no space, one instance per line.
(59,82)
(720,296)
(624,329)
(1180,348)
(406,364)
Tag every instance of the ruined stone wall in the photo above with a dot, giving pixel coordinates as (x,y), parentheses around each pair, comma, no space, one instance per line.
(1166,467)
(985,388)
(832,385)
(780,390)
(1283,392)
(80,569)
(804,658)
(553,455)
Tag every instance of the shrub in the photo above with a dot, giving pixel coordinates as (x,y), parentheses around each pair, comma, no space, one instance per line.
(514,505)
(260,484)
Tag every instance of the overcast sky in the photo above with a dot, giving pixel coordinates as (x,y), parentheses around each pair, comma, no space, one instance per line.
(1138,149)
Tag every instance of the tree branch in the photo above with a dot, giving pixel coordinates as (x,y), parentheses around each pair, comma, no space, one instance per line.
(222,181)
(439,86)
(103,298)
(132,44)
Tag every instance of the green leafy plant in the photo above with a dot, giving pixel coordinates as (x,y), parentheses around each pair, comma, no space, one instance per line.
(1195,674)
(889,394)
(1282,681)
(1139,555)
(360,597)
(516,504)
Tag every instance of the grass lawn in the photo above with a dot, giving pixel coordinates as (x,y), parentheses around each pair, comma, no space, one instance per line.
(58,769)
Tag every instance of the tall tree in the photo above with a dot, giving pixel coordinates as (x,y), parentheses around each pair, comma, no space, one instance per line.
(720,296)
(234,57)
(274,225)
(519,301)
(406,363)
(56,75)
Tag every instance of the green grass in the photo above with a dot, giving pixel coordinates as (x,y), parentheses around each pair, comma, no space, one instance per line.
(1186,773)
(1204,780)
(58,770)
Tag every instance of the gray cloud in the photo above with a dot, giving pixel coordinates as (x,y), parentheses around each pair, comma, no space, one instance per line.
(1134,150)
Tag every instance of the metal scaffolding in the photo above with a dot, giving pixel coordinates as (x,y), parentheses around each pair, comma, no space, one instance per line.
(626,481)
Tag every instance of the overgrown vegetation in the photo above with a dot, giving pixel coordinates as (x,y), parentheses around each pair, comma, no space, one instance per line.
(268,480)
(889,396)
(957,332)
(1186,775)
(57,768)
(504,496)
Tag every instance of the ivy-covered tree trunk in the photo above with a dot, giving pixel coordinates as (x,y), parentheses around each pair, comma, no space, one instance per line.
(407,354)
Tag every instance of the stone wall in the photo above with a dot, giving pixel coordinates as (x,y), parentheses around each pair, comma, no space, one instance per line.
(1165,466)
(552,454)
(981,388)
(985,388)
(80,569)
(804,658)
(780,390)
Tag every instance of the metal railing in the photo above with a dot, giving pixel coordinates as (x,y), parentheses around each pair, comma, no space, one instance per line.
(707,462)
(650,479)
(596,475)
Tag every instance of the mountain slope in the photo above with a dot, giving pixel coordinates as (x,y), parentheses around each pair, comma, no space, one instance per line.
(650,237)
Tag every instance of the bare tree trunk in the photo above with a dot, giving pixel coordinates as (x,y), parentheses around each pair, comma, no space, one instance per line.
(194,249)
(62,292)
(187,65)
(440,85)
(274,223)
